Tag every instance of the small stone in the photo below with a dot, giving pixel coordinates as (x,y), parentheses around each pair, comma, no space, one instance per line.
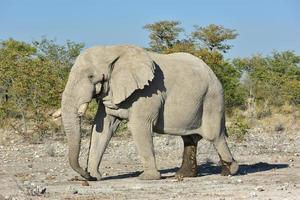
(282,187)
(260,189)
(26,183)
(39,190)
(297,154)
(105,174)
(253,194)
(239,181)
(7,197)
(50,177)
(85,183)
(179,178)
(72,190)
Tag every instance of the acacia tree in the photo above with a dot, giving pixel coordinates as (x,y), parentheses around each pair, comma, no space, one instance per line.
(163,34)
(213,37)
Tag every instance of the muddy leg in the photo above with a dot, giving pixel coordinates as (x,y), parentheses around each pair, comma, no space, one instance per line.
(189,159)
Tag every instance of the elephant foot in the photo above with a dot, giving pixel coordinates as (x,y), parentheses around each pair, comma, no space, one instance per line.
(187,172)
(229,168)
(96,176)
(150,175)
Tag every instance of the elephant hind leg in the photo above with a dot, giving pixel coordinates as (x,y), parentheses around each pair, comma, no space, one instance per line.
(213,129)
(189,159)
(228,164)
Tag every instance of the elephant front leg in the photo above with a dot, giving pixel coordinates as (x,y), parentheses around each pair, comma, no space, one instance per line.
(142,136)
(101,135)
(189,159)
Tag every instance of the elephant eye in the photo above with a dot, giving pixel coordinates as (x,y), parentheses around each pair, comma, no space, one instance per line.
(91,77)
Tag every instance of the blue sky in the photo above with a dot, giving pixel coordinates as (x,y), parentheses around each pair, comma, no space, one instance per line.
(263,25)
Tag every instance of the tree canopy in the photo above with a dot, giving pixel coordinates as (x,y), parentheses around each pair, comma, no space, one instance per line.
(214,37)
(163,34)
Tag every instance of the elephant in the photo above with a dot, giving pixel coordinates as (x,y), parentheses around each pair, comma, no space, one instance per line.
(175,94)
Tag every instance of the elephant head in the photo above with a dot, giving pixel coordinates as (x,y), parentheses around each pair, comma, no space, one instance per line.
(109,71)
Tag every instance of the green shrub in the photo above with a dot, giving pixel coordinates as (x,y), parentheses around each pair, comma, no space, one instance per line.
(31,85)
(122,129)
(238,127)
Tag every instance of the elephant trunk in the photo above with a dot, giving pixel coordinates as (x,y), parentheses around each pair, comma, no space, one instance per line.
(71,121)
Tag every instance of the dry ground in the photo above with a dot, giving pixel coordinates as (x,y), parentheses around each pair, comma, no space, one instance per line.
(269,169)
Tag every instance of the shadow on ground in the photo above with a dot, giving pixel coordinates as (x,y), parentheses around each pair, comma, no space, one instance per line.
(210,168)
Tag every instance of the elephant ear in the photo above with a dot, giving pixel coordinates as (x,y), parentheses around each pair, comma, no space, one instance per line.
(133,70)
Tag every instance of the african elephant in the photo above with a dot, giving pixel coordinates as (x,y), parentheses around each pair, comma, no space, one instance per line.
(174,94)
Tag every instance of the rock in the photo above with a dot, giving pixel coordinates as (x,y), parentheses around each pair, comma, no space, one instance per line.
(7,197)
(283,187)
(38,191)
(35,190)
(253,194)
(239,181)
(72,190)
(26,183)
(260,189)
(85,183)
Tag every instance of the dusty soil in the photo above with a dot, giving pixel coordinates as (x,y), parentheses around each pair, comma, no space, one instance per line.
(269,169)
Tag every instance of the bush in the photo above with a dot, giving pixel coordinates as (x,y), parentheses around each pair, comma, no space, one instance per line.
(238,127)
(30,87)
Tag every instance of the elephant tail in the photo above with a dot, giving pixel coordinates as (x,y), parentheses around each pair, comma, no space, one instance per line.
(225,131)
(224,125)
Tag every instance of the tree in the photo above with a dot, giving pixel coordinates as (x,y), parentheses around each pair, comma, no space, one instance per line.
(60,55)
(214,37)
(163,34)
(272,80)
(14,58)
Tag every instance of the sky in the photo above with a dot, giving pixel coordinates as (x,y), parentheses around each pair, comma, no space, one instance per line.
(263,25)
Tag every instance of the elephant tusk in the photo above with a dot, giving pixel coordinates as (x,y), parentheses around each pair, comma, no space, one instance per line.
(98,88)
(82,108)
(56,114)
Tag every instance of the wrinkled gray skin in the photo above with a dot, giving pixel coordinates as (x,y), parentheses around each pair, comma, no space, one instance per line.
(174,94)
